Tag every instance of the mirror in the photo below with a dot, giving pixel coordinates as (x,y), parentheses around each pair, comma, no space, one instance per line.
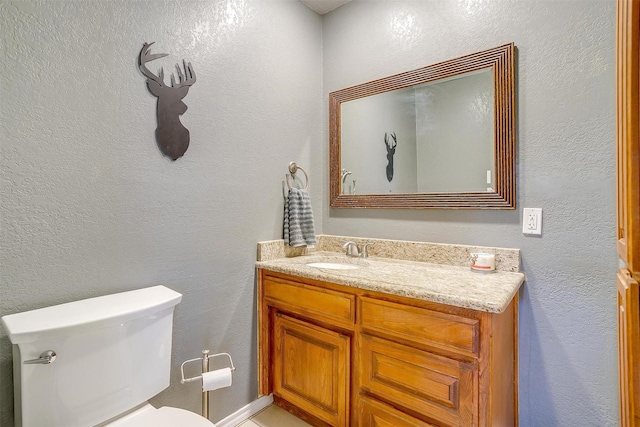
(441,136)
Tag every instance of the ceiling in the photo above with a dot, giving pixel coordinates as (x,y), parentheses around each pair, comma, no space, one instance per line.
(324,6)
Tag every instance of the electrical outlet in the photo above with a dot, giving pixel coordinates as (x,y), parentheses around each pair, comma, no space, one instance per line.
(532,221)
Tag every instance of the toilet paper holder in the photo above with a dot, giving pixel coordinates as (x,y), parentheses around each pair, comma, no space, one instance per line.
(205,365)
(205,368)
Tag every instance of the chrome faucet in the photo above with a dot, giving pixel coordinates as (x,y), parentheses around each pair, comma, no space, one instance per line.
(363,250)
(345,174)
(353,250)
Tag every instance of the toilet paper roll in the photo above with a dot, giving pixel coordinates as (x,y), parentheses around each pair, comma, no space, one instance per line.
(214,380)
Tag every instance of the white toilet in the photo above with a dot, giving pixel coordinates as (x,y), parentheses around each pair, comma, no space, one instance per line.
(96,362)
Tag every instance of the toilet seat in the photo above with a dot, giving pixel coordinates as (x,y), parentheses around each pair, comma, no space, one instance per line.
(166,416)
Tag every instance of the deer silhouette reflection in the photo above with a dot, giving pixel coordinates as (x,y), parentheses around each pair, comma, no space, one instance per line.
(171,135)
(391,150)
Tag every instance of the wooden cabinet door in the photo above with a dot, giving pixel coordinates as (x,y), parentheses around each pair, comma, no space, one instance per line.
(628,204)
(311,369)
(628,132)
(629,349)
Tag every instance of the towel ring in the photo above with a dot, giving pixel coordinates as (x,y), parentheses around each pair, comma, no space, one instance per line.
(293,168)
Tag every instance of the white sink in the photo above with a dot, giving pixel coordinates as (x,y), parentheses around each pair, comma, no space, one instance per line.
(334,265)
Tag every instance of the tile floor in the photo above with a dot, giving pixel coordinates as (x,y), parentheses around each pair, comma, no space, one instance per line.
(273,416)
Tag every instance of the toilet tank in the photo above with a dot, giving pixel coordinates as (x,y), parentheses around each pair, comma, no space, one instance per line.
(112,354)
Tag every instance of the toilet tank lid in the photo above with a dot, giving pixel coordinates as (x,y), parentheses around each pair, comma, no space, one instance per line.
(87,314)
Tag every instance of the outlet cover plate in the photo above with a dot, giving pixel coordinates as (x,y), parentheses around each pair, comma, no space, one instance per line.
(532,221)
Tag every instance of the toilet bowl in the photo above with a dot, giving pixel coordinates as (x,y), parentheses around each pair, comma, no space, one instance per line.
(96,362)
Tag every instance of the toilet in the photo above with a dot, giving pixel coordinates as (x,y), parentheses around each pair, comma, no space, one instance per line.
(96,362)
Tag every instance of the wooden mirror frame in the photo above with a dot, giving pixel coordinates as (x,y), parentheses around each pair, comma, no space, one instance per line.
(501,60)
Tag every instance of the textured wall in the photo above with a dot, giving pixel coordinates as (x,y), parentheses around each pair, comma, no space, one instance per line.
(566,166)
(89,206)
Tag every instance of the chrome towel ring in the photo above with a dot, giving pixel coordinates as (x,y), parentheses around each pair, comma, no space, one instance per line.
(293,168)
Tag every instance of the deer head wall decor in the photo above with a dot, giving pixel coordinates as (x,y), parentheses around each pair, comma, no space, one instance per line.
(171,135)
(391,150)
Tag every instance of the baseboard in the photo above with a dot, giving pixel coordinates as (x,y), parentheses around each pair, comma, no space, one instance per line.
(246,412)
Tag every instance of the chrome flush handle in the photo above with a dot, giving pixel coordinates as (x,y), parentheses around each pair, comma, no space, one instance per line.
(45,358)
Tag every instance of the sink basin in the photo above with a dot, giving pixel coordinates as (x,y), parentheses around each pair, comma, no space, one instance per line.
(334,265)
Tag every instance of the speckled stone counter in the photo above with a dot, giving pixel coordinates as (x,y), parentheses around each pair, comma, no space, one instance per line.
(448,283)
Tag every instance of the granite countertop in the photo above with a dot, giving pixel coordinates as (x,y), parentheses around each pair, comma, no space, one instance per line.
(446,284)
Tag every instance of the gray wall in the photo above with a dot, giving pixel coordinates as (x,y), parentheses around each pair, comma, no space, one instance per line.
(89,206)
(566,166)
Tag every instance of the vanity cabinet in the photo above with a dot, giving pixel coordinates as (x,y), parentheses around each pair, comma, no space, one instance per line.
(306,335)
(343,356)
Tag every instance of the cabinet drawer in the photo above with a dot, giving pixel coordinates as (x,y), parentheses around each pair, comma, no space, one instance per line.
(443,390)
(421,326)
(315,303)
(376,414)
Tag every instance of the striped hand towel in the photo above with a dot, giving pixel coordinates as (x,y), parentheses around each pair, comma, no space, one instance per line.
(298,219)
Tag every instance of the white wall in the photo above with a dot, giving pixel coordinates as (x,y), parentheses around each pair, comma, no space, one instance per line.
(565,165)
(89,206)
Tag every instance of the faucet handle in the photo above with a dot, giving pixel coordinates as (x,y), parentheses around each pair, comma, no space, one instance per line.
(351,248)
(363,250)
